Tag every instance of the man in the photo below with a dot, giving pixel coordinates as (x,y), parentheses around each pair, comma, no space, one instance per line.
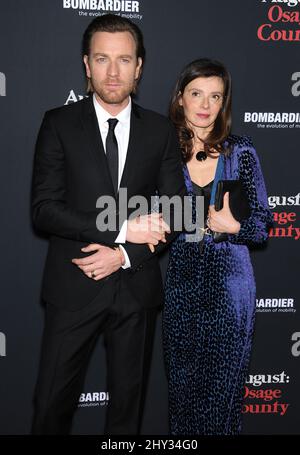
(86,150)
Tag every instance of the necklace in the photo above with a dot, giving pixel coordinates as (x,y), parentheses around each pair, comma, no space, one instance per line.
(201,156)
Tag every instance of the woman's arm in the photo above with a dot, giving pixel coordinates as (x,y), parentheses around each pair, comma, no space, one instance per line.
(254,229)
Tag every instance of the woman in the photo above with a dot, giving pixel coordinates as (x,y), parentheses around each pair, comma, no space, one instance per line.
(210,289)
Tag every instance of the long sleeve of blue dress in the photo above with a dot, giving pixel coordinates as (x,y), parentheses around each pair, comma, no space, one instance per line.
(255,228)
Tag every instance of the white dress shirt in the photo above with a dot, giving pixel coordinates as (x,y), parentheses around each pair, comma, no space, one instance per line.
(122,131)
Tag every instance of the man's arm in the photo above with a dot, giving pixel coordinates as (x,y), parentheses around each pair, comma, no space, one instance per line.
(50,211)
(170,182)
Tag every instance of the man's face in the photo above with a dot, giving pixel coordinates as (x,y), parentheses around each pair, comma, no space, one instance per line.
(113,67)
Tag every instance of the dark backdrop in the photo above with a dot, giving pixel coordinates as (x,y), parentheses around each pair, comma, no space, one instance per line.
(40,68)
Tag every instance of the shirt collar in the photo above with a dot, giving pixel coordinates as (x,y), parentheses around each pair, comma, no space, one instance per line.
(103,115)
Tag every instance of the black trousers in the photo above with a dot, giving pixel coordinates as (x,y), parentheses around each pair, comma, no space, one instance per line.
(68,341)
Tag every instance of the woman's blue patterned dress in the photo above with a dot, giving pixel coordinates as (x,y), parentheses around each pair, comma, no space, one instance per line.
(209,312)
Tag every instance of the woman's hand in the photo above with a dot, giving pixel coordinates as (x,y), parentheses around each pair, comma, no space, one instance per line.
(223,220)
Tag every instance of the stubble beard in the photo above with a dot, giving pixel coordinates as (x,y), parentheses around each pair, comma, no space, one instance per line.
(114,97)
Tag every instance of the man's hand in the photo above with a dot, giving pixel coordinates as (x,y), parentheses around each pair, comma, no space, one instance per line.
(102,263)
(149,229)
(223,220)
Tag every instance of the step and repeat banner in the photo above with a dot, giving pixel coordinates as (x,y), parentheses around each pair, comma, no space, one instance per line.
(41,68)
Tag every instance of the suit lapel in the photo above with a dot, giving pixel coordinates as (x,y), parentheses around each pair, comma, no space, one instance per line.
(134,146)
(94,141)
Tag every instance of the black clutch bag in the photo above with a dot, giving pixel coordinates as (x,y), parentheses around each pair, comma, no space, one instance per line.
(238,203)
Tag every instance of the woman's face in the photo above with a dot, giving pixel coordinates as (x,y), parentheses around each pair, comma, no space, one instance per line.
(202,101)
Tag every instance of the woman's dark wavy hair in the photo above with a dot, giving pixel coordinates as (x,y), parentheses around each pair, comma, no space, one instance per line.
(202,67)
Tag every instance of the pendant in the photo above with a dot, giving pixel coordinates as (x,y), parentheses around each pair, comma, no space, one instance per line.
(201,156)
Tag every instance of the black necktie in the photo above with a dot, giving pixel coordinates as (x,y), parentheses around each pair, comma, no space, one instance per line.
(112,153)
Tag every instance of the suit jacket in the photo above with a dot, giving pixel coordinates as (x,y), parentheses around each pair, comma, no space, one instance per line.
(71,172)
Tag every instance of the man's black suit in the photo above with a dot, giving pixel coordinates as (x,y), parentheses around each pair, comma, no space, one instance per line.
(70,173)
